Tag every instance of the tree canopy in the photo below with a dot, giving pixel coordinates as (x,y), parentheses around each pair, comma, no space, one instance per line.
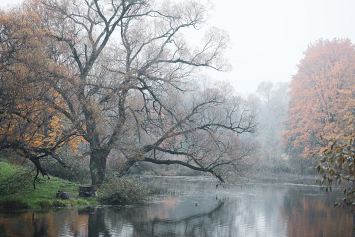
(28,124)
(321,96)
(121,76)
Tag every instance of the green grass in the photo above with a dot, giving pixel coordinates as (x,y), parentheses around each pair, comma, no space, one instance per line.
(93,201)
(82,202)
(17,192)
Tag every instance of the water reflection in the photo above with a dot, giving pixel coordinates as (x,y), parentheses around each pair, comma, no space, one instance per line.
(312,214)
(198,209)
(58,223)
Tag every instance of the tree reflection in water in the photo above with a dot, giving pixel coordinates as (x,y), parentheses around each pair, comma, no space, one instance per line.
(197,209)
(314,215)
(137,222)
(213,223)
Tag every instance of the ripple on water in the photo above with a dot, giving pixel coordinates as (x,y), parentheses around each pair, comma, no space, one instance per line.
(200,209)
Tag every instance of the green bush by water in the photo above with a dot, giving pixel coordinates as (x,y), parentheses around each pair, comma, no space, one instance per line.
(82,202)
(43,203)
(93,200)
(13,203)
(121,191)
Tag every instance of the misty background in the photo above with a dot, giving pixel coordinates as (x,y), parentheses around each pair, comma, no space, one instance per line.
(269,37)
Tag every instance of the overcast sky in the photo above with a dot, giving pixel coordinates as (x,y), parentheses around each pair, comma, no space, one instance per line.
(268,37)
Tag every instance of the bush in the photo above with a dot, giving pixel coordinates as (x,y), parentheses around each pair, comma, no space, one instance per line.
(78,173)
(93,201)
(13,179)
(59,203)
(13,203)
(123,191)
(64,203)
(71,202)
(43,203)
(82,202)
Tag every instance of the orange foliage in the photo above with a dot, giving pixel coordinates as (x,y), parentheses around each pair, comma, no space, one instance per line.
(322,96)
(28,105)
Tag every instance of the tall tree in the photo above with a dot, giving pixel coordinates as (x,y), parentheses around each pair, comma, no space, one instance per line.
(133,93)
(321,96)
(273,106)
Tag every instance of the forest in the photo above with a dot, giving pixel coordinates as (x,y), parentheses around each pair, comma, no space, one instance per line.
(94,88)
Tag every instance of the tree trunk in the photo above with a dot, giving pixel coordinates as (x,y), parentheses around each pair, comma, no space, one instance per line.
(98,158)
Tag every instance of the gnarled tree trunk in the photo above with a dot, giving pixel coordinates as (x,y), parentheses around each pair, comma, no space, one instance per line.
(98,158)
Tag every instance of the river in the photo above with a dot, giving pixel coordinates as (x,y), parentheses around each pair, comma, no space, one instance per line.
(195,207)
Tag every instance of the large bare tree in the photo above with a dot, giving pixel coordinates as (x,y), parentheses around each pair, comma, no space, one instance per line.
(133,93)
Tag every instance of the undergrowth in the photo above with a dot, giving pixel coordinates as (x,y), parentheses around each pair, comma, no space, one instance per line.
(17,192)
(122,191)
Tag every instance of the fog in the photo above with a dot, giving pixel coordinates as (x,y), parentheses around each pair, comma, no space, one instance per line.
(268,37)
(136,107)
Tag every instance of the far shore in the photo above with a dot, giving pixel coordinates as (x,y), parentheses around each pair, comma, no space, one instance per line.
(286,178)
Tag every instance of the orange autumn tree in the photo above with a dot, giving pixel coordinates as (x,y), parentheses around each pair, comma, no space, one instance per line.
(322,96)
(28,123)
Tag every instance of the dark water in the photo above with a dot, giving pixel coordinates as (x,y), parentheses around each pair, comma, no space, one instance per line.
(197,208)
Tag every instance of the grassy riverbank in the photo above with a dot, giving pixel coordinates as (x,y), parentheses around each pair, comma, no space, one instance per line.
(17,192)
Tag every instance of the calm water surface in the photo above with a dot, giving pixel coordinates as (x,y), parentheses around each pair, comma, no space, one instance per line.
(196,208)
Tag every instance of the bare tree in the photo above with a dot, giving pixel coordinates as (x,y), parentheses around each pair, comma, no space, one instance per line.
(133,87)
(196,129)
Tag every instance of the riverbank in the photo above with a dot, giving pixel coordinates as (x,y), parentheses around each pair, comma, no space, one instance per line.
(197,208)
(285,178)
(17,190)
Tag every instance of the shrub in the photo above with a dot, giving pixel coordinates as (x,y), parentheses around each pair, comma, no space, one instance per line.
(59,203)
(79,171)
(93,201)
(13,203)
(122,191)
(13,179)
(82,202)
(71,202)
(43,203)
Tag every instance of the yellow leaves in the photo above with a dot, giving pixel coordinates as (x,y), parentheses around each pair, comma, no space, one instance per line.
(31,104)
